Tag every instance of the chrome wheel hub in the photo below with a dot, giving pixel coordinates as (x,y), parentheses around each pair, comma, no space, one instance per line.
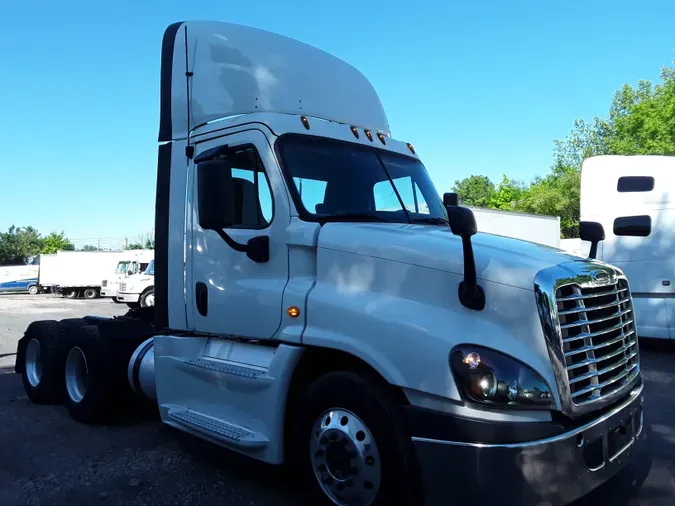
(76,374)
(150,300)
(34,362)
(345,458)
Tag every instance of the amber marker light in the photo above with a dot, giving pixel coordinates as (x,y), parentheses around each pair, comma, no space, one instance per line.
(293,312)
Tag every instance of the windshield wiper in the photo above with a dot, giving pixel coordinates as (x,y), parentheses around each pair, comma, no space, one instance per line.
(431,221)
(355,217)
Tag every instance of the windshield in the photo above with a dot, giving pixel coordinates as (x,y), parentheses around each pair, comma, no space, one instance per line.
(122,267)
(150,270)
(342,181)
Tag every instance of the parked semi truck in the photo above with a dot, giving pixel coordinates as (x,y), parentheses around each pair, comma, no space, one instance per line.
(633,197)
(131,262)
(385,355)
(76,273)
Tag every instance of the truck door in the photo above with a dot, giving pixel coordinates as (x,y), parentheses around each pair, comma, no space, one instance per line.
(227,292)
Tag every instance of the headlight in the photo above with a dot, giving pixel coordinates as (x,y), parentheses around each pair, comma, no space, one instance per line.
(490,378)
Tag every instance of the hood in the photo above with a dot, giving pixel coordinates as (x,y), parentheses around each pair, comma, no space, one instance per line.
(498,259)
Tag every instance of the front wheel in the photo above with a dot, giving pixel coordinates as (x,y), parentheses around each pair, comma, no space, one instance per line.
(350,442)
(148,298)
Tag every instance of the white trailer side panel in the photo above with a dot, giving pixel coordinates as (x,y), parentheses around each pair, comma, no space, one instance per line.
(84,268)
(524,226)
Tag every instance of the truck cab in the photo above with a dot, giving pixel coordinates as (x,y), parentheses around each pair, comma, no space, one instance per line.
(137,290)
(319,305)
(131,262)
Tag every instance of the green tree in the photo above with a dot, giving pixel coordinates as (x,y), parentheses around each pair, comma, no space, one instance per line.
(508,195)
(56,242)
(88,247)
(18,244)
(143,241)
(476,191)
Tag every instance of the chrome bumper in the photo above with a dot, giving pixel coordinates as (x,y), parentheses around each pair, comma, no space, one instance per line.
(551,471)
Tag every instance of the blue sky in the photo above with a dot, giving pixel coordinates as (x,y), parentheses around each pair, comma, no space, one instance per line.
(477,87)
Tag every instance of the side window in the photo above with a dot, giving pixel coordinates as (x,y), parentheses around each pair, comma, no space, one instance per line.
(628,184)
(386,199)
(253,205)
(633,226)
(312,192)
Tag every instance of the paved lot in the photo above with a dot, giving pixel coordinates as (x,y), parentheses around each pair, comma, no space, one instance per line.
(46,458)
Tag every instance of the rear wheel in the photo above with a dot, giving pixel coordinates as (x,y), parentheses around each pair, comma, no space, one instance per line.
(33,289)
(70,294)
(90,293)
(350,444)
(96,386)
(43,349)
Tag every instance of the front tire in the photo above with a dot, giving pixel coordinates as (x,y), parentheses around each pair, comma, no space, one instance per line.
(351,445)
(148,298)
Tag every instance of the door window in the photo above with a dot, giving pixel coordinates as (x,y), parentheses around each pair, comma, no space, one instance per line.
(253,206)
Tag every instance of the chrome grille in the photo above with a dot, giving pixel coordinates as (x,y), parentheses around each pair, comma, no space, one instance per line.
(122,287)
(599,339)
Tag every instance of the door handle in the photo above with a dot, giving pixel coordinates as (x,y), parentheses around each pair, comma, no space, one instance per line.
(202,298)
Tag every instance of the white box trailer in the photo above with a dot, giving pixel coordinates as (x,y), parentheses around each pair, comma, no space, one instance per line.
(524,226)
(77,273)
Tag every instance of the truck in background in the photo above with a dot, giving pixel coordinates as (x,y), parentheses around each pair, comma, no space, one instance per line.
(386,356)
(138,290)
(19,278)
(131,262)
(76,273)
(633,197)
(536,228)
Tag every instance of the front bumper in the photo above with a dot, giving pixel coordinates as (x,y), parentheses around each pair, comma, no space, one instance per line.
(109,291)
(551,471)
(128,297)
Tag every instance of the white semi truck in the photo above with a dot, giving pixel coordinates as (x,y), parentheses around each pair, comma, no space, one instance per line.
(386,356)
(131,262)
(633,197)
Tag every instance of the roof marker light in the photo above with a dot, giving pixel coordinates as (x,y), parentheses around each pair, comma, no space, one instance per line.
(355,132)
(410,147)
(381,137)
(368,134)
(305,122)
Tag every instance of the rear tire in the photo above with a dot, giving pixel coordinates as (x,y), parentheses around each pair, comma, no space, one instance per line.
(96,389)
(90,293)
(70,294)
(33,290)
(43,349)
(348,438)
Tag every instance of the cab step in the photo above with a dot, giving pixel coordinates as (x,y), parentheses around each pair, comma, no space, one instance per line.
(218,429)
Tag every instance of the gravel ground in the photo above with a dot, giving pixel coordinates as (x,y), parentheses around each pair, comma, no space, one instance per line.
(47,458)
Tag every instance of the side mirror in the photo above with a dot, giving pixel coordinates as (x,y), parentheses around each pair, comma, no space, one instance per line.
(462,221)
(592,232)
(450,199)
(463,224)
(216,208)
(216,195)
